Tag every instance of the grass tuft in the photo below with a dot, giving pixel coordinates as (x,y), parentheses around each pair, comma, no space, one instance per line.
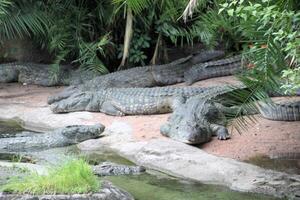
(74,177)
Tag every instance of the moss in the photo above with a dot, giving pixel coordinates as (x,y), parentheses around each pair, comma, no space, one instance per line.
(75,176)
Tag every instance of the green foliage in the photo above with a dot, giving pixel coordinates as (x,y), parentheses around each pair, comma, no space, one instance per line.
(270,35)
(135,5)
(21,18)
(75,176)
(140,42)
(264,23)
(292,80)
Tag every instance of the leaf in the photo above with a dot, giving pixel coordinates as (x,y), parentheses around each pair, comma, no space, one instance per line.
(230,12)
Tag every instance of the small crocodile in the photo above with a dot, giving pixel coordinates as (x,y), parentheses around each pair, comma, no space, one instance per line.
(40,74)
(112,169)
(222,67)
(127,101)
(199,118)
(57,138)
(147,76)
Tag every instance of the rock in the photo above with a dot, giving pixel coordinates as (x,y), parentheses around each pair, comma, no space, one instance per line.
(186,161)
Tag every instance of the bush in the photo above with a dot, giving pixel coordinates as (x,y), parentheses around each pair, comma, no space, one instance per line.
(75,176)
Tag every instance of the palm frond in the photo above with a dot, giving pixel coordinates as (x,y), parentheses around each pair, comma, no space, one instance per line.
(21,20)
(135,5)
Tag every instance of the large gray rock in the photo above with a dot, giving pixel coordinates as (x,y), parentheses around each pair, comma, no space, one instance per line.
(186,161)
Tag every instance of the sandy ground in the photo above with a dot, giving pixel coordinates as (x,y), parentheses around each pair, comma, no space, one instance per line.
(262,138)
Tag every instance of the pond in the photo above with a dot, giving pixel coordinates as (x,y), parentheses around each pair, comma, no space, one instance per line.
(148,186)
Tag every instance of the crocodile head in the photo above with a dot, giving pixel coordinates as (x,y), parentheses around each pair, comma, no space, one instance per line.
(76,102)
(189,123)
(79,133)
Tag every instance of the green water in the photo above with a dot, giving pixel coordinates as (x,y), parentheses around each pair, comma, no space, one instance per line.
(9,128)
(151,187)
(291,166)
(148,186)
(158,186)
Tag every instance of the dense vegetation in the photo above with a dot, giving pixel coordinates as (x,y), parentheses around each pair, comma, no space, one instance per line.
(106,35)
(75,176)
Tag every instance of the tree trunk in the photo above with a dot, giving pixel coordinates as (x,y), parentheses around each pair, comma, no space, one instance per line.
(155,54)
(127,37)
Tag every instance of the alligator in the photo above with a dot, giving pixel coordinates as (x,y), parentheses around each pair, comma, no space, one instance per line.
(222,67)
(203,115)
(147,76)
(280,108)
(127,101)
(58,138)
(40,74)
(112,169)
(200,117)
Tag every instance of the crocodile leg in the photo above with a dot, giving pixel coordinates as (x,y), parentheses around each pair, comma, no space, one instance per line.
(220,131)
(63,94)
(109,108)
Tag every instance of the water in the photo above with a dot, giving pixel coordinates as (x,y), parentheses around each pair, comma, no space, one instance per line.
(148,186)
(158,186)
(9,128)
(291,166)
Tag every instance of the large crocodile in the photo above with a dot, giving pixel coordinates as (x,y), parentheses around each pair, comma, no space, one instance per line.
(222,67)
(127,101)
(57,138)
(203,116)
(148,76)
(199,118)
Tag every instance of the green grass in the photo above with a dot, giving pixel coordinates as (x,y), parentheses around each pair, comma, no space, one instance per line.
(75,176)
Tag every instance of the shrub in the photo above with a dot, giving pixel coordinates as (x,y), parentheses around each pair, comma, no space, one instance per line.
(75,176)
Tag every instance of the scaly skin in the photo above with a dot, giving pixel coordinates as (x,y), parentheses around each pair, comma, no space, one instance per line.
(112,169)
(40,74)
(199,118)
(58,138)
(223,67)
(148,76)
(285,110)
(127,101)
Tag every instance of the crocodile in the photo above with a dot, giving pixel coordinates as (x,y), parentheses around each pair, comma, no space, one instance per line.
(147,76)
(200,118)
(281,108)
(40,74)
(58,138)
(112,169)
(127,101)
(222,67)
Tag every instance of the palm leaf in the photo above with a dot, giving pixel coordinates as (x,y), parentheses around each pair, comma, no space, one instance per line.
(21,20)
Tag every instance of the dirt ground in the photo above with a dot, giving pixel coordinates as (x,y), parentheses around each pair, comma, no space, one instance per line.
(265,137)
